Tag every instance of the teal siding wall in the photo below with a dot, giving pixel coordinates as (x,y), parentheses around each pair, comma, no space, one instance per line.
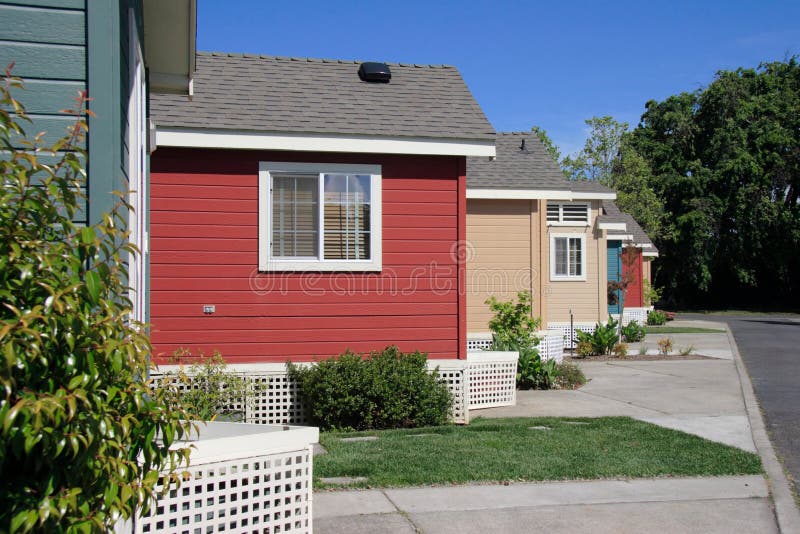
(614,258)
(46,41)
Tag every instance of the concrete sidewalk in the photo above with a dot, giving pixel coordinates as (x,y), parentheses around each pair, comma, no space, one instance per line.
(704,397)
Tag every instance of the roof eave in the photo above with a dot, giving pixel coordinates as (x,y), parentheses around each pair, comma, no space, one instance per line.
(533,194)
(321,142)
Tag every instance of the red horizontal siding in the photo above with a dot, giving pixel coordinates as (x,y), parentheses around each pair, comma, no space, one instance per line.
(204,250)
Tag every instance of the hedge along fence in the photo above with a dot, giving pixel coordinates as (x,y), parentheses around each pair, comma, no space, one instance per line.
(485,379)
(273,396)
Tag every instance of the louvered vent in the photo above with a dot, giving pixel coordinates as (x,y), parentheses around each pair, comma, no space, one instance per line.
(567,213)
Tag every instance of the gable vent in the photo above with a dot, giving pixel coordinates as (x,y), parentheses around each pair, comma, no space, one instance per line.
(374,72)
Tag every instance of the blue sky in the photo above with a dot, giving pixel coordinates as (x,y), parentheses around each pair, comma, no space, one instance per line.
(551,64)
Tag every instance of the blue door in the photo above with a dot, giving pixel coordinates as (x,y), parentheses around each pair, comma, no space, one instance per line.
(615,271)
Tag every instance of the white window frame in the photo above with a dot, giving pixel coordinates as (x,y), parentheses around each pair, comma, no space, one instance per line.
(562,222)
(570,278)
(266,262)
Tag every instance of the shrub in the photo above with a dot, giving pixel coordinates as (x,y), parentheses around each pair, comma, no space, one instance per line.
(656,318)
(685,351)
(387,389)
(664,346)
(210,390)
(621,350)
(584,349)
(532,372)
(83,436)
(603,339)
(633,332)
(651,293)
(568,376)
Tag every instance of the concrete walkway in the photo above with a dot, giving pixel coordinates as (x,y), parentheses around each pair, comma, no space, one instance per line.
(704,397)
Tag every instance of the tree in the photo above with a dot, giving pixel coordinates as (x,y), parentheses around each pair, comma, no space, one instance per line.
(83,436)
(726,163)
(548,143)
(596,159)
(631,178)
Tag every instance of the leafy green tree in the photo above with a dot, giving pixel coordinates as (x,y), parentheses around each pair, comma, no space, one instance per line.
(726,163)
(595,160)
(632,179)
(548,143)
(82,436)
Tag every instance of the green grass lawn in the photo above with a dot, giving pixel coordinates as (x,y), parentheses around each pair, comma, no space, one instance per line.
(508,450)
(681,330)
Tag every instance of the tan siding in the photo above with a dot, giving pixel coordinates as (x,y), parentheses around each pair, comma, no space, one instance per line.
(586,298)
(500,234)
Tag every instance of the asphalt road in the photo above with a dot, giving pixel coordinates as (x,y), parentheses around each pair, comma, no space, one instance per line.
(770,348)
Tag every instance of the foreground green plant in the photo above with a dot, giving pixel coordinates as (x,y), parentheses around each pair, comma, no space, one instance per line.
(656,318)
(523,449)
(633,332)
(568,376)
(387,389)
(83,436)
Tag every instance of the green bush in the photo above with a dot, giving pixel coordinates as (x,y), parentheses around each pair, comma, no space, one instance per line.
(83,435)
(584,349)
(656,318)
(387,389)
(513,329)
(568,376)
(603,339)
(209,390)
(633,332)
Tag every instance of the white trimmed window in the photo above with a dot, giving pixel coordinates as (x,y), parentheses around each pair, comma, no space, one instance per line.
(567,214)
(568,257)
(319,217)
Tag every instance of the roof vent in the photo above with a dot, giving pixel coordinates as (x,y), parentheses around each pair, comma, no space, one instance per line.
(374,72)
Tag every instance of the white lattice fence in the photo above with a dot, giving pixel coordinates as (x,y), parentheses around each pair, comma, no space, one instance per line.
(274,398)
(492,379)
(242,478)
(567,335)
(633,314)
(551,345)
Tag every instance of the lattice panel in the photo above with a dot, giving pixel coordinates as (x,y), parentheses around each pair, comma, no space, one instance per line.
(456,379)
(633,314)
(275,400)
(479,344)
(567,336)
(270,493)
(492,383)
(551,347)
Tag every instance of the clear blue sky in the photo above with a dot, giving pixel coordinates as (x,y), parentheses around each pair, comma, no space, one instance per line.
(551,64)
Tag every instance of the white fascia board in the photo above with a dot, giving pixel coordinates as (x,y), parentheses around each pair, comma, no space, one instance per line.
(612,226)
(650,253)
(537,194)
(518,194)
(206,138)
(594,196)
(619,237)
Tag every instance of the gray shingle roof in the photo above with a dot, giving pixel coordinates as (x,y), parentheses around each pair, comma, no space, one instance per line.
(298,95)
(520,168)
(640,237)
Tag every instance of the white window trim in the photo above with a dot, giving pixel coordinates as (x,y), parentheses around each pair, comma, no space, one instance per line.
(567,278)
(561,222)
(265,260)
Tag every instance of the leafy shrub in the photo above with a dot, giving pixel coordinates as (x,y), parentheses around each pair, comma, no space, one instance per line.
(656,318)
(664,346)
(633,332)
(211,390)
(533,373)
(651,293)
(685,351)
(584,349)
(621,350)
(603,339)
(513,329)
(568,376)
(83,435)
(387,389)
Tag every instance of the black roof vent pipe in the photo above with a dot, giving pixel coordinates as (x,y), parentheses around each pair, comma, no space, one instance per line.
(374,72)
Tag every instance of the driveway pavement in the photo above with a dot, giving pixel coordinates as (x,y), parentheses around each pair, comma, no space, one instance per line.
(770,349)
(704,397)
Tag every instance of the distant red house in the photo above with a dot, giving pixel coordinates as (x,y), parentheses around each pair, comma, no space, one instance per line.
(298,210)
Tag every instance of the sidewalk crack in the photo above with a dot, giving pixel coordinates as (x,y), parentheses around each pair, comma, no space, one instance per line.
(402,513)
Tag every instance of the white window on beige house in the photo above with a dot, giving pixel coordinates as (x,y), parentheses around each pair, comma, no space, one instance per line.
(567,257)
